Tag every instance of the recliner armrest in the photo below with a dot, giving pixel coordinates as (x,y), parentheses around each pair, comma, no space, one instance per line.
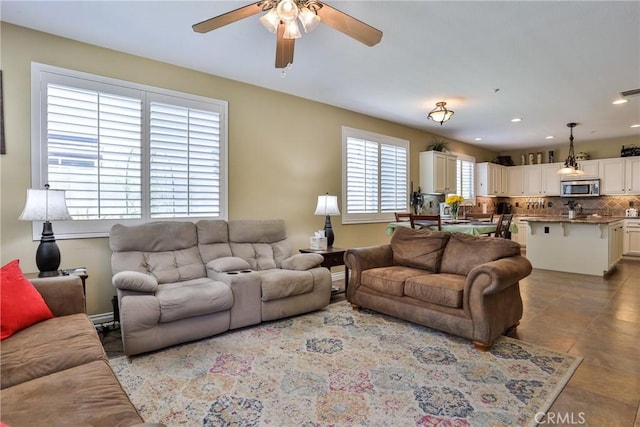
(135,281)
(302,262)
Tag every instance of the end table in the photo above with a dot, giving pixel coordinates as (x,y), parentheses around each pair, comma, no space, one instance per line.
(81,272)
(333,257)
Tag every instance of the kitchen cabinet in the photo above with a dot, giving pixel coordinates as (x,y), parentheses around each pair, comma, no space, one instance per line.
(631,243)
(632,175)
(542,180)
(515,181)
(438,172)
(491,179)
(616,241)
(620,175)
(612,176)
(591,168)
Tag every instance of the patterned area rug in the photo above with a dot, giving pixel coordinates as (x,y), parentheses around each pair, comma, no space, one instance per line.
(339,367)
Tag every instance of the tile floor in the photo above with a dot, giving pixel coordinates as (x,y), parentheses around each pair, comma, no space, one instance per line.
(592,317)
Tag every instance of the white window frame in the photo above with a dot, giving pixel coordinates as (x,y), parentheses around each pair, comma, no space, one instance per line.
(42,74)
(359,218)
(471,159)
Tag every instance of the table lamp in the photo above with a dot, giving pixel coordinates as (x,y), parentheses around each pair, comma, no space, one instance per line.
(327,206)
(47,205)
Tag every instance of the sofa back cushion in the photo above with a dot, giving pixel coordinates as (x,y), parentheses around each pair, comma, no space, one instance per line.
(213,239)
(418,248)
(262,243)
(166,250)
(464,252)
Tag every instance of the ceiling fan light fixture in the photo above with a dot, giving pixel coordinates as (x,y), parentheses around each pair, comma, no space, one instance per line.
(441,113)
(291,30)
(308,19)
(287,10)
(270,20)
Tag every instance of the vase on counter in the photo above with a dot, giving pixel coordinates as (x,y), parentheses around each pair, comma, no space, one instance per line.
(454,212)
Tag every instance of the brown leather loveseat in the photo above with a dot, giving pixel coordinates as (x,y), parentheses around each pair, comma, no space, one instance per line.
(457,283)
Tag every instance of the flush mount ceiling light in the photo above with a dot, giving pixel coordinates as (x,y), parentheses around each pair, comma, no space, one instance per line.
(281,18)
(571,165)
(441,113)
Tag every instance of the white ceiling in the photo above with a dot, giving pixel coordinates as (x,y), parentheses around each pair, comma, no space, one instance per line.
(549,63)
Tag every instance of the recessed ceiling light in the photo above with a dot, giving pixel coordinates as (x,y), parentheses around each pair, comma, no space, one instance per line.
(477,139)
(516,120)
(635,126)
(619,101)
(549,137)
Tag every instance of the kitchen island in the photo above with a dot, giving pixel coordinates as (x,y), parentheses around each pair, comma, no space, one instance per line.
(587,245)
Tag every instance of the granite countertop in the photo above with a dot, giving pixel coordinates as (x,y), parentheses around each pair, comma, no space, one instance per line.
(579,220)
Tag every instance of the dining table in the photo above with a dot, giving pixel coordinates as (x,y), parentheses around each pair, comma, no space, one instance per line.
(475,227)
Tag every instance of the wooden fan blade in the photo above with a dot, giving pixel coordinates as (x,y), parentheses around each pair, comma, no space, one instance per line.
(284,49)
(349,25)
(227,18)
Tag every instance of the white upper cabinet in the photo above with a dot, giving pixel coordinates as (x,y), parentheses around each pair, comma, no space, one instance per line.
(515,181)
(612,176)
(438,172)
(632,174)
(542,180)
(591,168)
(491,179)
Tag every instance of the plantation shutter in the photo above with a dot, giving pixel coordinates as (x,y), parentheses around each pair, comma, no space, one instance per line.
(184,161)
(466,183)
(94,151)
(362,176)
(393,182)
(375,176)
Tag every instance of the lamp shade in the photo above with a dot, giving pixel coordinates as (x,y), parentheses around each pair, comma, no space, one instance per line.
(327,205)
(45,205)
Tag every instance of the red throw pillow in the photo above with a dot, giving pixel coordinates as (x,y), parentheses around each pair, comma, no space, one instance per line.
(21,304)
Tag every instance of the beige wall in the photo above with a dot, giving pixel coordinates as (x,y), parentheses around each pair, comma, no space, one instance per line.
(271,175)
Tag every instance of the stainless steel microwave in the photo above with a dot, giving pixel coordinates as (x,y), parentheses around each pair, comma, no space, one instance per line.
(580,188)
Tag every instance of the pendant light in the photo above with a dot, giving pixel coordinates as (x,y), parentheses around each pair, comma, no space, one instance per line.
(571,166)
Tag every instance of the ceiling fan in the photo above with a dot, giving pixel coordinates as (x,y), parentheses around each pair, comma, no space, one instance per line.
(282,17)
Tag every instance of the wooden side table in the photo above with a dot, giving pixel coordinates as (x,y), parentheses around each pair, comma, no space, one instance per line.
(333,257)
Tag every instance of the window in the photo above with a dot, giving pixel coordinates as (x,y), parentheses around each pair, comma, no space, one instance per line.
(466,177)
(124,152)
(375,172)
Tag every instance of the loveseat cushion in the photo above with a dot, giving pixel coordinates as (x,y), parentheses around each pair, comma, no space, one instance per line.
(47,347)
(85,395)
(192,298)
(418,248)
(442,289)
(277,284)
(389,280)
(465,251)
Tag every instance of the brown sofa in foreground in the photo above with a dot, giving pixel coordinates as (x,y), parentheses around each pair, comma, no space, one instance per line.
(56,373)
(457,283)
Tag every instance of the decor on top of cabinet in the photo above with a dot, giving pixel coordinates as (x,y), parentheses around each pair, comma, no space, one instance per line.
(504,161)
(539,157)
(550,157)
(438,144)
(582,156)
(629,151)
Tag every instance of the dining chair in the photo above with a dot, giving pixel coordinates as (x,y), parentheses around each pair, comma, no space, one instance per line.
(502,229)
(402,216)
(435,218)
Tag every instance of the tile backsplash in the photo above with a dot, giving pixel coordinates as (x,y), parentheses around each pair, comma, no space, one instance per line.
(603,205)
